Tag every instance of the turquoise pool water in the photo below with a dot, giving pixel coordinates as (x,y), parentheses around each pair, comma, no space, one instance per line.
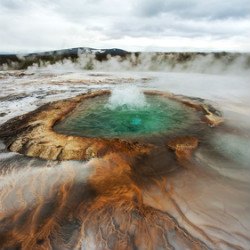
(97,118)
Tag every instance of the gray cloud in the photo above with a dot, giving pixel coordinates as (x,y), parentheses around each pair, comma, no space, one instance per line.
(212,9)
(27,25)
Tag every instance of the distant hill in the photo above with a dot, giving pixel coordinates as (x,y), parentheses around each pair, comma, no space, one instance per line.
(81,50)
(22,61)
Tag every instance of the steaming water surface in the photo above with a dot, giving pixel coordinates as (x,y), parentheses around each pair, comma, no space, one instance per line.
(103,117)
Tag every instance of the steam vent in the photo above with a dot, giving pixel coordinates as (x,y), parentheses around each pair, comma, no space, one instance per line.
(123,166)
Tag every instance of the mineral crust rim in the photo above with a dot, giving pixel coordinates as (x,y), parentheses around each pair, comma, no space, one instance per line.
(32,134)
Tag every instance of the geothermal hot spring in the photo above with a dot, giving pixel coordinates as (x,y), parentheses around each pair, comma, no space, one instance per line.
(127,113)
(124,160)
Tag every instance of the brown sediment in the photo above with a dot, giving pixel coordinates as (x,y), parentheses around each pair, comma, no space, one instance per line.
(33,135)
(106,211)
(183,146)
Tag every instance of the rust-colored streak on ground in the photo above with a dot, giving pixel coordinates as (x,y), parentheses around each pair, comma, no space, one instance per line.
(107,210)
(127,221)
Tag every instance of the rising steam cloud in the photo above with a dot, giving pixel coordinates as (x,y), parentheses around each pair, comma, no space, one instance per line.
(215,63)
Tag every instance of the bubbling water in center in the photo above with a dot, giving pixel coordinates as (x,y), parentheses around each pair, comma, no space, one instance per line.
(128,97)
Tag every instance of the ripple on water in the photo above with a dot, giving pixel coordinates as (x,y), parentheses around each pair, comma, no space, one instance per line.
(95,118)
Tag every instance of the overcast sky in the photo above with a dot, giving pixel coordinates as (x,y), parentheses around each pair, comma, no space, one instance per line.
(135,25)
